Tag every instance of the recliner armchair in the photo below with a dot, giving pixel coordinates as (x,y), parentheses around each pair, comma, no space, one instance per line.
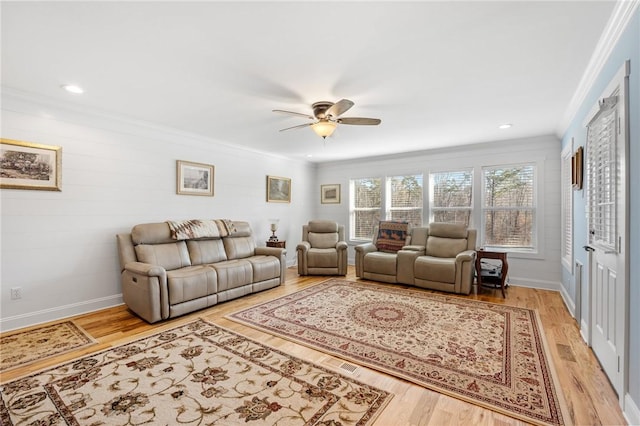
(323,249)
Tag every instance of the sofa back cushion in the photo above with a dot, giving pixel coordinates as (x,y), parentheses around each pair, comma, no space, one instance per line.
(446,239)
(392,236)
(151,233)
(323,240)
(206,251)
(239,247)
(169,255)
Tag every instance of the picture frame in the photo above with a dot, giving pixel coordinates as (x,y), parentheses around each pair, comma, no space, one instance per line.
(577,168)
(194,178)
(26,165)
(330,194)
(278,189)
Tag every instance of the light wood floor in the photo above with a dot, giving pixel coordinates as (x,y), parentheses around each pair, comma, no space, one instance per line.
(589,395)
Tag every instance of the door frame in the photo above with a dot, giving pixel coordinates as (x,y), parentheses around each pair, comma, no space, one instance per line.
(621,80)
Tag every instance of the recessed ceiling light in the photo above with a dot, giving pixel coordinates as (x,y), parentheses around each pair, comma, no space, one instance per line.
(72,88)
(505,126)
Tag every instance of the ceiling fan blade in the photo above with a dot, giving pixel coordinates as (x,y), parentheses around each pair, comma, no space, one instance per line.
(296,127)
(359,121)
(310,117)
(339,108)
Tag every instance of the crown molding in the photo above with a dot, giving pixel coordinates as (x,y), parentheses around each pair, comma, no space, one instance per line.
(618,21)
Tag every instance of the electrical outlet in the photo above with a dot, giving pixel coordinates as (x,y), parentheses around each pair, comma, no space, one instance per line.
(16,293)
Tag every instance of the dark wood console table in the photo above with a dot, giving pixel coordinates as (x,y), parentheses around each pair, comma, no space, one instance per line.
(495,277)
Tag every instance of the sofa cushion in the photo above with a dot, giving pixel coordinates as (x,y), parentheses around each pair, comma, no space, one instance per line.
(169,256)
(323,226)
(445,247)
(448,230)
(381,263)
(206,251)
(233,273)
(264,267)
(191,283)
(323,240)
(239,247)
(392,236)
(442,270)
(322,258)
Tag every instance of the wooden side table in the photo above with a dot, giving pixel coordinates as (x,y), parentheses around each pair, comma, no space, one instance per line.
(277,244)
(500,275)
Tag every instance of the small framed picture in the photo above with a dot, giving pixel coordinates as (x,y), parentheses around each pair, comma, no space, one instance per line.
(330,194)
(278,189)
(194,178)
(26,165)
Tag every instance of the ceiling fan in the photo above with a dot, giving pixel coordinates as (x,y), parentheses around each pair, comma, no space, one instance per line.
(326,117)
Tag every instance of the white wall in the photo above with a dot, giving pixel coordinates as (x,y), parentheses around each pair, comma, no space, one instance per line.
(541,270)
(60,247)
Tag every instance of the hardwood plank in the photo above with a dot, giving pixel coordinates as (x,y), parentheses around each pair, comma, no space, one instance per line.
(588,393)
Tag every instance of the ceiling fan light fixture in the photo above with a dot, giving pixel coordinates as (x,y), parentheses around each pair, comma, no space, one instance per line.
(324,128)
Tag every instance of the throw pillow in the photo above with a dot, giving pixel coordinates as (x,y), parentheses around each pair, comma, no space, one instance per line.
(392,236)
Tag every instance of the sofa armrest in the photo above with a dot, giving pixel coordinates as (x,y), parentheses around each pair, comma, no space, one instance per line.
(145,291)
(278,252)
(466,256)
(406,260)
(465,270)
(303,246)
(342,245)
(146,269)
(361,252)
(419,249)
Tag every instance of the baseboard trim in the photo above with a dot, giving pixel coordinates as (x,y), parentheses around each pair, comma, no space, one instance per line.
(584,331)
(59,312)
(631,411)
(529,283)
(568,303)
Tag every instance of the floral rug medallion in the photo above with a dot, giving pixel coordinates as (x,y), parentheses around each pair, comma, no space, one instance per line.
(195,374)
(484,353)
(22,347)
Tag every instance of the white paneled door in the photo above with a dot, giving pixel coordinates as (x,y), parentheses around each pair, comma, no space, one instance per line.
(606,197)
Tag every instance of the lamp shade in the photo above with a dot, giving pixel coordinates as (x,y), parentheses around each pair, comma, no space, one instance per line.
(324,128)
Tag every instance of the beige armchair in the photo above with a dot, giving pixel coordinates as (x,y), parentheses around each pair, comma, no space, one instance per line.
(323,249)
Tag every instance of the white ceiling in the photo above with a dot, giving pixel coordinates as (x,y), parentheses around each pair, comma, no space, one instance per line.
(438,74)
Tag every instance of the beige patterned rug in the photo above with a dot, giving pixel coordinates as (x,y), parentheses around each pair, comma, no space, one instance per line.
(23,347)
(491,355)
(195,374)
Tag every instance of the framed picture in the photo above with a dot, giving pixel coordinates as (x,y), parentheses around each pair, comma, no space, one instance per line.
(278,189)
(194,178)
(26,165)
(330,194)
(576,168)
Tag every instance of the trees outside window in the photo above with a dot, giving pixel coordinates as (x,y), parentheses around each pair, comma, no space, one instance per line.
(405,199)
(509,206)
(450,196)
(366,203)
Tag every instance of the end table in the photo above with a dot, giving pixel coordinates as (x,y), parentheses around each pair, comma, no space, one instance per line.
(277,244)
(500,275)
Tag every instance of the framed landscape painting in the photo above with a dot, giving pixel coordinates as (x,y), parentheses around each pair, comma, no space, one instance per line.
(26,165)
(330,194)
(194,178)
(278,189)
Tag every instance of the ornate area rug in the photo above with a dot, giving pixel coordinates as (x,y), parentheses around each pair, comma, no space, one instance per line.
(491,355)
(22,347)
(195,374)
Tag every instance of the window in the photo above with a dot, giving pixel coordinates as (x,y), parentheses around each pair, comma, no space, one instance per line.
(508,212)
(567,208)
(405,199)
(366,202)
(450,196)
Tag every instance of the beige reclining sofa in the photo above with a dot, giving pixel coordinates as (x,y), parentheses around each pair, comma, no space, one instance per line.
(172,268)
(438,257)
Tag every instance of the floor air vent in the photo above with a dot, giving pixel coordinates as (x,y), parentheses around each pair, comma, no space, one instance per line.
(349,367)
